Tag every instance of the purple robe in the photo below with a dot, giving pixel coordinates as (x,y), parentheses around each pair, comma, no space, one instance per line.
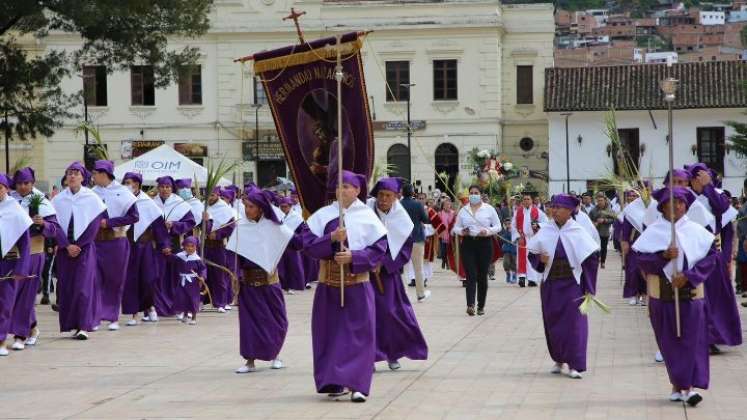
(144,268)
(165,288)
(24,314)
(686,357)
(566,328)
(8,267)
(724,324)
(112,258)
(76,278)
(217,280)
(397,331)
(263,322)
(291,267)
(343,339)
(187,295)
(635,284)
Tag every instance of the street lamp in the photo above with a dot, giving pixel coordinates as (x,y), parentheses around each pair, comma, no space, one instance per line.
(567,155)
(409,130)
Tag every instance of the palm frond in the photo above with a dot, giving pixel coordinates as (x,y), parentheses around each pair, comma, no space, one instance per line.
(628,176)
(214,175)
(99,149)
(20,163)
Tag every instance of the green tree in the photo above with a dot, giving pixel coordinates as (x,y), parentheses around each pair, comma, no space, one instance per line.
(114,33)
(738,140)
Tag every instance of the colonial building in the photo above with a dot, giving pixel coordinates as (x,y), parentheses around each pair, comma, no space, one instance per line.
(472,70)
(709,94)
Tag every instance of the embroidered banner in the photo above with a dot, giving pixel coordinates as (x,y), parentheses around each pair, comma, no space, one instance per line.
(302,92)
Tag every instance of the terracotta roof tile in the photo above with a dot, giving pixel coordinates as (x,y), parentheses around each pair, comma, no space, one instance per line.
(717,84)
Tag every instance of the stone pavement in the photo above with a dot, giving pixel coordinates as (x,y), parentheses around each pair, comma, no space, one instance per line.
(494,366)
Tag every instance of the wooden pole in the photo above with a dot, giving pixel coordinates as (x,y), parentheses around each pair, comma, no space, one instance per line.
(673,243)
(338,77)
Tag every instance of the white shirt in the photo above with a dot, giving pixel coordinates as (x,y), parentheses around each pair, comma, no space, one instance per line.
(484,218)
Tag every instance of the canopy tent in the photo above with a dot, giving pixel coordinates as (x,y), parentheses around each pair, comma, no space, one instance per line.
(163,161)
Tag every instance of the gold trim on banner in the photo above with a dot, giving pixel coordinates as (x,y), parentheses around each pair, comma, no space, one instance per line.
(306,57)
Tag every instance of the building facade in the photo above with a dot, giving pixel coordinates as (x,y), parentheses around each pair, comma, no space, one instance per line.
(709,94)
(475,67)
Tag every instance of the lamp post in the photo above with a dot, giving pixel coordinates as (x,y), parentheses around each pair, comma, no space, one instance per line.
(7,144)
(669,88)
(409,130)
(567,155)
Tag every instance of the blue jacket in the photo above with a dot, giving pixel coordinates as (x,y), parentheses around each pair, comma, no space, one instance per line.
(507,246)
(419,217)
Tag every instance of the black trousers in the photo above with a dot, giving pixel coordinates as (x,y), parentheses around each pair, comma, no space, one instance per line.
(603,250)
(476,256)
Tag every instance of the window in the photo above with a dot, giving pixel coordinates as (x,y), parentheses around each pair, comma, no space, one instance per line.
(397,74)
(711,147)
(260,97)
(630,155)
(142,90)
(526,144)
(524,88)
(444,80)
(94,85)
(446,162)
(398,158)
(190,86)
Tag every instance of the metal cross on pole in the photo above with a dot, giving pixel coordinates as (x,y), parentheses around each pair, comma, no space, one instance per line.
(294,16)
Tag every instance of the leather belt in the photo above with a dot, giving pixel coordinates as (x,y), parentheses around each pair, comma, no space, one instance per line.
(37,244)
(146,236)
(329,274)
(256,277)
(109,234)
(12,255)
(662,289)
(560,269)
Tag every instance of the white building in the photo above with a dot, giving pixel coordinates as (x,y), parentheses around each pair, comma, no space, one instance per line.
(493,57)
(709,94)
(711,18)
(661,57)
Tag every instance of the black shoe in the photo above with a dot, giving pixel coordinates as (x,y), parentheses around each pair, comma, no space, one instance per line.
(44,300)
(425,283)
(471,310)
(713,349)
(464,284)
(521,282)
(744,304)
(480,311)
(693,399)
(55,307)
(308,287)
(412,283)
(532,284)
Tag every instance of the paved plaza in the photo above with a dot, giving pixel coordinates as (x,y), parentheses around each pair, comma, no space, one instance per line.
(494,366)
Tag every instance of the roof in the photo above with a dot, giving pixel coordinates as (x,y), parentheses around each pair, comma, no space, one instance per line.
(713,84)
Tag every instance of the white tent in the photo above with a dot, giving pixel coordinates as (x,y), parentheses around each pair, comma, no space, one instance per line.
(163,161)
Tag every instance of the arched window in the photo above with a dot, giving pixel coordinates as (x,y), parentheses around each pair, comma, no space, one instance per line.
(398,158)
(447,162)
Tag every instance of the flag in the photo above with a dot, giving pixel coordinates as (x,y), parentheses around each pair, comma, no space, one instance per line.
(301,90)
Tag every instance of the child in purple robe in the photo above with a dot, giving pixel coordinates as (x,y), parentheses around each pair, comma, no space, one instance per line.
(189,273)
(15,255)
(567,257)
(679,268)
(291,269)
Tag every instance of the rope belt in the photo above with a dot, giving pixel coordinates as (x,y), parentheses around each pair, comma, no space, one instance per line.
(329,274)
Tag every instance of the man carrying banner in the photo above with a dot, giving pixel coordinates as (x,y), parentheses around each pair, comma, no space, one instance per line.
(397,331)
(524,226)
(343,337)
(693,260)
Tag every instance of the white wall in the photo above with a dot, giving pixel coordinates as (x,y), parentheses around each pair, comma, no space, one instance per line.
(589,160)
(712,18)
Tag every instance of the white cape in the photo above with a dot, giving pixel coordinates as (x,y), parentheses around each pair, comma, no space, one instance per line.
(363,226)
(148,211)
(14,221)
(398,225)
(262,243)
(293,220)
(693,242)
(578,245)
(45,209)
(82,207)
(220,213)
(174,208)
(586,223)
